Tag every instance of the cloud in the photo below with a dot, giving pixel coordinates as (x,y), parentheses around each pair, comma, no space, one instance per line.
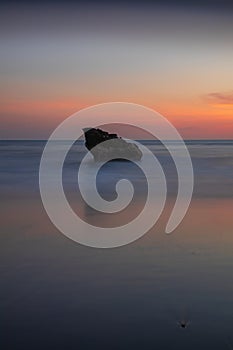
(220,98)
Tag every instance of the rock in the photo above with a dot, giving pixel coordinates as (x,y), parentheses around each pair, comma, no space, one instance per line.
(115,149)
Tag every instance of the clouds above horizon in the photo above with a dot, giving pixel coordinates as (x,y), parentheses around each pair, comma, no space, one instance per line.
(220,98)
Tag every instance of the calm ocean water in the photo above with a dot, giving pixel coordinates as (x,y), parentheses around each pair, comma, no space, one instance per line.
(58,294)
(212,163)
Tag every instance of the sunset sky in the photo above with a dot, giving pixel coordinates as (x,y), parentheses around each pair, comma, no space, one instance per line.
(59,57)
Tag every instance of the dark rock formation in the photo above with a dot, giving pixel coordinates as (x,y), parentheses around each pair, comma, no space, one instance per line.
(115,149)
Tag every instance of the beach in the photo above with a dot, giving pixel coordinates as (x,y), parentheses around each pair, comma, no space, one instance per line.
(65,295)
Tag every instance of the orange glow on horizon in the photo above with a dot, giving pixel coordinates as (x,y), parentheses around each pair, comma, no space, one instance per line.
(193,120)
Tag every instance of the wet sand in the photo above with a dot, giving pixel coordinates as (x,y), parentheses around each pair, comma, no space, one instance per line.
(57,293)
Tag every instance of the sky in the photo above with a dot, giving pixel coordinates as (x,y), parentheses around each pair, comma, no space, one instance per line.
(59,57)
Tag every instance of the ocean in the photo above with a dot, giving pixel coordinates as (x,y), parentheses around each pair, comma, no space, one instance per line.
(160,292)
